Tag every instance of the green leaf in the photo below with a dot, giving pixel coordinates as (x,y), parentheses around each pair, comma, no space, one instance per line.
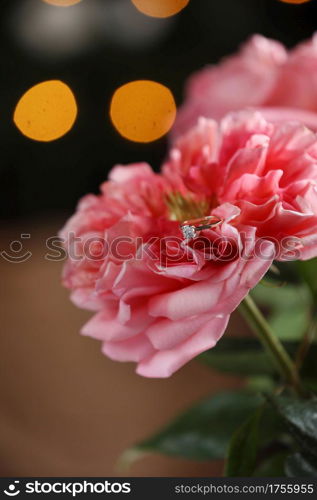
(204,431)
(256,437)
(287,272)
(291,323)
(301,419)
(246,356)
(273,466)
(242,453)
(287,309)
(260,383)
(243,356)
(284,297)
(298,466)
(308,271)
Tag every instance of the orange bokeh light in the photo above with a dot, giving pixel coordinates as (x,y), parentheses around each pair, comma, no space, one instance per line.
(46,111)
(295,1)
(62,3)
(143,110)
(160,8)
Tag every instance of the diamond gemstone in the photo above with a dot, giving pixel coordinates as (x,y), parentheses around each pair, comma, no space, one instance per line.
(189,232)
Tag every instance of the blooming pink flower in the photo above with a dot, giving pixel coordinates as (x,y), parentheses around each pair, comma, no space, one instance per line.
(99,219)
(267,171)
(160,302)
(263,75)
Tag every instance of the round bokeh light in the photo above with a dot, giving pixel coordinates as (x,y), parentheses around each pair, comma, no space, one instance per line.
(46,112)
(62,3)
(160,8)
(298,2)
(143,110)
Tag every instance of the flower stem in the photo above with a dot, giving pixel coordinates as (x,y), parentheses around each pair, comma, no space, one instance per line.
(273,346)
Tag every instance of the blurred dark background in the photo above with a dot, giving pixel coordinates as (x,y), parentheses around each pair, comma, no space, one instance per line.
(66,410)
(100,45)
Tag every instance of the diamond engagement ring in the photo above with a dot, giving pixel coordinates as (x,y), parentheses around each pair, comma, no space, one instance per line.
(190,228)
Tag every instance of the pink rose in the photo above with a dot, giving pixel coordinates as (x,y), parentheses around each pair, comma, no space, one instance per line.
(263,75)
(267,171)
(296,84)
(160,300)
(98,219)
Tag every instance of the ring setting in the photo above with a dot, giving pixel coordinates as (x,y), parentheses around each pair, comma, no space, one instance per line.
(190,228)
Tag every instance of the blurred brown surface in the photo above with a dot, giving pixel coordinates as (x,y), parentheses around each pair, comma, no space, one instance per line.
(66,410)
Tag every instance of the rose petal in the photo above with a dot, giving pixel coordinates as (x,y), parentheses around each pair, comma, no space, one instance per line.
(165,363)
